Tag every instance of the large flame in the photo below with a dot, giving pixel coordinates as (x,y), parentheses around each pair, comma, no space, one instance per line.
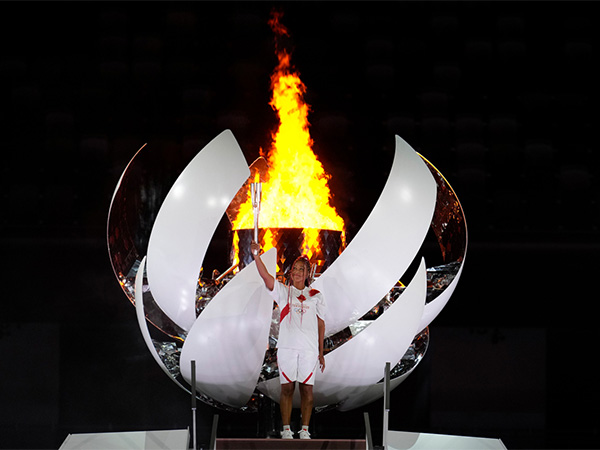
(296,192)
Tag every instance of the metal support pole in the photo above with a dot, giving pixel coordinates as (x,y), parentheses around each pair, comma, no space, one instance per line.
(368,431)
(212,445)
(386,403)
(194,436)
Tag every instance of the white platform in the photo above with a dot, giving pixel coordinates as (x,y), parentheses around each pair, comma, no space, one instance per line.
(133,440)
(400,440)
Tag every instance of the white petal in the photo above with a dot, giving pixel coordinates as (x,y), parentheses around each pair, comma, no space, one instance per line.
(186,223)
(386,244)
(229,339)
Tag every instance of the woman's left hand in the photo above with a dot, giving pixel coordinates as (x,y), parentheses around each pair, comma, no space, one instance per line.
(322,362)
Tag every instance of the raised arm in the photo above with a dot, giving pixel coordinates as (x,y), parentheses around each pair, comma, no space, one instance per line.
(262,270)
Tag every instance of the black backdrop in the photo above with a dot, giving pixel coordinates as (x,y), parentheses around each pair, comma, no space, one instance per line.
(501,96)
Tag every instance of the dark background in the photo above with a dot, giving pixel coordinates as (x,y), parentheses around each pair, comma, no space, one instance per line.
(501,96)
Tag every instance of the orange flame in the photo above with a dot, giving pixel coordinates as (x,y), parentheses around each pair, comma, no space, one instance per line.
(296,192)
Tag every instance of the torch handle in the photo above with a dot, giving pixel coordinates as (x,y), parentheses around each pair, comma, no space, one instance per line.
(256,225)
(256,195)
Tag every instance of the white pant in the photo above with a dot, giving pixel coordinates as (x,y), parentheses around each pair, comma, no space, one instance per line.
(297,365)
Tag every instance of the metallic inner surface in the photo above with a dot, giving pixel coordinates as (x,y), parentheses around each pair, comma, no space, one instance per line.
(136,201)
(448,221)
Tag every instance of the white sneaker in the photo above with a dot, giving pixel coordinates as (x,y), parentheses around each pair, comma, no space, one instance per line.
(287,434)
(304,434)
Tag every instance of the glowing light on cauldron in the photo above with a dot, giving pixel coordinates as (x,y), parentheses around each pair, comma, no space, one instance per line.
(295,193)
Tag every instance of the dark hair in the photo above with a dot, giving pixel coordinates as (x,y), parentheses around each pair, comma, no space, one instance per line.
(304,259)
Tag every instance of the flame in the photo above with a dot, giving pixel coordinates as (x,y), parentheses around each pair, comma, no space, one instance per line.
(296,192)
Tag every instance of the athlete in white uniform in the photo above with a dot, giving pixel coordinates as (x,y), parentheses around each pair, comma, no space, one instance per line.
(300,341)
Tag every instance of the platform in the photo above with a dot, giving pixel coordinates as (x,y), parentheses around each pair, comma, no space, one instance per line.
(132,440)
(401,440)
(290,444)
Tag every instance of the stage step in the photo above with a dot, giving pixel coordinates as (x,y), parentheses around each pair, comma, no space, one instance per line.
(290,444)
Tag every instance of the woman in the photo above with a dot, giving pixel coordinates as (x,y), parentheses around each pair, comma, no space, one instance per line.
(300,341)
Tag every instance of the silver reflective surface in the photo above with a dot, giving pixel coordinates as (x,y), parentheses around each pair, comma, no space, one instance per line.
(169,353)
(136,201)
(440,277)
(413,355)
(448,221)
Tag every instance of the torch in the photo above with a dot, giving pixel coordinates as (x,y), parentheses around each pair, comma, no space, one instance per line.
(256,194)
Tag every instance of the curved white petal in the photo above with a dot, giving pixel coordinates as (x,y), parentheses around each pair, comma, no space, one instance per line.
(433,308)
(230,337)
(139,311)
(359,363)
(186,223)
(385,245)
